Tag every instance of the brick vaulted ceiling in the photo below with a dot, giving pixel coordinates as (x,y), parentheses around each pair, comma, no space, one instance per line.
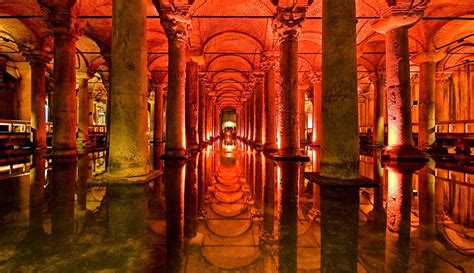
(232,34)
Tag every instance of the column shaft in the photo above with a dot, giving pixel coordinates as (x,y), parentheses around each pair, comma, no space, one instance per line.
(259,111)
(129,127)
(270,110)
(317,107)
(202,111)
(340,132)
(378,134)
(38,99)
(192,105)
(302,115)
(64,94)
(83,120)
(158,118)
(426,123)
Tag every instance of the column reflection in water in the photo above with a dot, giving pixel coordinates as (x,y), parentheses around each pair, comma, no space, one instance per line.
(427,214)
(397,248)
(339,229)
(202,183)
(288,215)
(63,181)
(268,202)
(157,201)
(190,197)
(174,179)
(258,185)
(378,216)
(37,182)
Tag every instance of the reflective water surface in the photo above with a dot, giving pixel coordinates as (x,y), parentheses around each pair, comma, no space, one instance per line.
(230,208)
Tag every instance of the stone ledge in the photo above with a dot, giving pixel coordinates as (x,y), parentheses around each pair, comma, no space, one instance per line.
(361,182)
(104,180)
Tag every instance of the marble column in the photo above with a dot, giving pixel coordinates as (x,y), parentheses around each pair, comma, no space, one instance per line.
(317,108)
(63,23)
(158,115)
(400,139)
(378,132)
(288,26)
(427,76)
(83,140)
(254,113)
(192,105)
(259,110)
(92,108)
(339,132)
(128,148)
(269,63)
(38,98)
(202,108)
(208,118)
(177,28)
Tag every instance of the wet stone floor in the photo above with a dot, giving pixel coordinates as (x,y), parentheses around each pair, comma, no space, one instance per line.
(230,208)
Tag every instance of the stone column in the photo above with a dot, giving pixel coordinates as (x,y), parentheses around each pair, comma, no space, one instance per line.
(426,123)
(24,91)
(177,27)
(339,132)
(38,63)
(269,63)
(395,27)
(128,150)
(209,107)
(253,108)
(288,26)
(301,115)
(63,23)
(202,108)
(317,108)
(378,132)
(158,118)
(192,105)
(83,140)
(259,110)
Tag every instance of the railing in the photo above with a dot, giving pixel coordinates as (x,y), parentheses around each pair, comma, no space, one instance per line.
(455,127)
(446,127)
(98,129)
(14,126)
(24,127)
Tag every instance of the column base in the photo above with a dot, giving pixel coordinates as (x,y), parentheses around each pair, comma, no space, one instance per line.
(314,144)
(111,181)
(361,182)
(403,153)
(270,147)
(63,153)
(299,158)
(157,141)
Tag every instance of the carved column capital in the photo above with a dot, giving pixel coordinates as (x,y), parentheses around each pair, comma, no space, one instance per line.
(258,77)
(203,78)
(269,60)
(287,23)
(315,78)
(37,57)
(396,17)
(63,21)
(176,23)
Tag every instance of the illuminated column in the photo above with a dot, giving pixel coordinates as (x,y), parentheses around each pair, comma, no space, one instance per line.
(63,24)
(202,107)
(339,132)
(395,27)
(288,26)
(259,110)
(426,123)
(209,106)
(128,146)
(269,63)
(254,111)
(177,27)
(217,121)
(24,91)
(83,140)
(92,107)
(317,108)
(378,133)
(192,105)
(158,114)
(38,61)
(302,115)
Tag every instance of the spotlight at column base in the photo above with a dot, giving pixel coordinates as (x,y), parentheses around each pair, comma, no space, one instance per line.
(403,153)
(110,181)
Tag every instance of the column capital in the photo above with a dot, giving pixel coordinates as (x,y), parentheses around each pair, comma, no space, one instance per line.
(377,76)
(443,76)
(287,23)
(396,17)
(315,78)
(269,60)
(258,77)
(36,57)
(63,20)
(176,22)
(203,77)
(428,57)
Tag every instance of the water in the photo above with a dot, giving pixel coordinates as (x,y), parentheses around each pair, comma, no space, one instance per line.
(231,209)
